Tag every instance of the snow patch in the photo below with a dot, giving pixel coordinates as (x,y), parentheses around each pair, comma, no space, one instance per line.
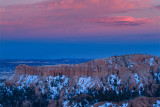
(124,105)
(113,105)
(56,84)
(101,84)
(106,105)
(26,80)
(110,66)
(65,103)
(84,83)
(130,64)
(157,76)
(2,84)
(136,77)
(157,104)
(116,66)
(110,61)
(74,104)
(20,79)
(41,86)
(141,89)
(151,61)
(114,81)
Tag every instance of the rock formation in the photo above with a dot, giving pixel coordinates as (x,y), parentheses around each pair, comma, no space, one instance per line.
(132,72)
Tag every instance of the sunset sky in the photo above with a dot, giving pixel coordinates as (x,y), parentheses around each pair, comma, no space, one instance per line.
(49,29)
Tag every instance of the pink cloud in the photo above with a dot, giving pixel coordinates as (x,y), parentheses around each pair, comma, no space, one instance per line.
(14,2)
(123,21)
(69,16)
(157,7)
(107,5)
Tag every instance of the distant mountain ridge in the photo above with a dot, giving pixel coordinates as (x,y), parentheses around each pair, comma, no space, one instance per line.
(137,75)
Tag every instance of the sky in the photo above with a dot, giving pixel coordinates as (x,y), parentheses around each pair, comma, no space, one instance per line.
(51,29)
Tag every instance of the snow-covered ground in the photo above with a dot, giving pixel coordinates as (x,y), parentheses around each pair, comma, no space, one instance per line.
(157,76)
(136,77)
(113,105)
(116,66)
(114,81)
(84,83)
(65,103)
(130,64)
(157,104)
(141,89)
(151,61)
(26,80)
(56,84)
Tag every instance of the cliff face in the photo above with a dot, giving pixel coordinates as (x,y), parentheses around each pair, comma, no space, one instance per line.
(114,73)
(98,67)
(127,68)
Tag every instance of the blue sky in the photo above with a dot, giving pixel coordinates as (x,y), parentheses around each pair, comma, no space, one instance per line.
(54,50)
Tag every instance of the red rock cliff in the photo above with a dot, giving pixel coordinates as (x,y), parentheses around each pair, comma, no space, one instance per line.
(100,67)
